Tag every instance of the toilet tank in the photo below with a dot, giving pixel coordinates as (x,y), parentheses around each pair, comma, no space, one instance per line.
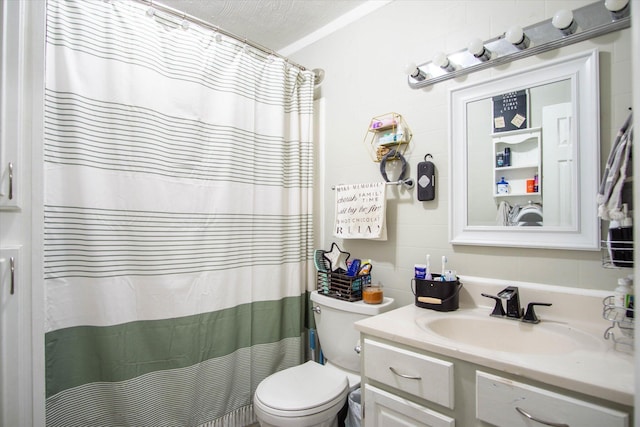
(336,332)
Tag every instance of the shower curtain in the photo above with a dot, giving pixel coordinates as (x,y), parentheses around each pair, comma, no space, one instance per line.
(177,229)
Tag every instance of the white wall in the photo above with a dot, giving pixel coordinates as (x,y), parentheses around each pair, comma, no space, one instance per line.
(364,77)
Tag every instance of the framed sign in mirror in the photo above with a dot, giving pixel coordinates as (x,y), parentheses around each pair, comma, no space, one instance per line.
(524,157)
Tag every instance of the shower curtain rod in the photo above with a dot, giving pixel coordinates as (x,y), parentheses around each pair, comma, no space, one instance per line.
(179,14)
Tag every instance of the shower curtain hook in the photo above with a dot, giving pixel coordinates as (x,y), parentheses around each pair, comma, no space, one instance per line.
(185,22)
(151,11)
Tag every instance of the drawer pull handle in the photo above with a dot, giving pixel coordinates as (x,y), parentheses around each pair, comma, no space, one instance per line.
(532,418)
(12,269)
(10,181)
(409,377)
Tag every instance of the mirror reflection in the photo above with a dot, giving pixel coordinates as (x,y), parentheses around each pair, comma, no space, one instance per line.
(525,157)
(521,158)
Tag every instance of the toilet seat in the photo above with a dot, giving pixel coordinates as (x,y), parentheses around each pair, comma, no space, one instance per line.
(302,390)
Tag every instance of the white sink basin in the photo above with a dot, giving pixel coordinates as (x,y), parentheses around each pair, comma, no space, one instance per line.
(508,335)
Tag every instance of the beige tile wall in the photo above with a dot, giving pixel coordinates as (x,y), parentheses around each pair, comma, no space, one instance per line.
(364,65)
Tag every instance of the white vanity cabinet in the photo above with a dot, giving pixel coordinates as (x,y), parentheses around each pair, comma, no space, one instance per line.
(405,386)
(415,373)
(384,409)
(412,373)
(11,72)
(506,403)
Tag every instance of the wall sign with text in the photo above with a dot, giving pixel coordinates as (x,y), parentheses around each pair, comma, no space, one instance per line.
(510,111)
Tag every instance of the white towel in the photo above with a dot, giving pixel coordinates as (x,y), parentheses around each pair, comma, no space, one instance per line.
(502,217)
(360,211)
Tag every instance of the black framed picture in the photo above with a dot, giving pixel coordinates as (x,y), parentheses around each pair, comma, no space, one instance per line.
(510,111)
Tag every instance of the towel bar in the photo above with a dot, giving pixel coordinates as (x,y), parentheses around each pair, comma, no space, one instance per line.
(407,183)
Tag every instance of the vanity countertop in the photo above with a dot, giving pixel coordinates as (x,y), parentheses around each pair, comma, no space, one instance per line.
(600,369)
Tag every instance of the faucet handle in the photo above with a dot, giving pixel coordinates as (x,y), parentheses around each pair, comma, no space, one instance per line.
(498,310)
(530,315)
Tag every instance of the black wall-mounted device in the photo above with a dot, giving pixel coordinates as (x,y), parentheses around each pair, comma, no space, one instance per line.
(426,180)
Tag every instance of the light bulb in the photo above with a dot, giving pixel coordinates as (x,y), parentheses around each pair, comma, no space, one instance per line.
(618,8)
(615,5)
(410,68)
(477,49)
(414,71)
(441,60)
(516,36)
(563,20)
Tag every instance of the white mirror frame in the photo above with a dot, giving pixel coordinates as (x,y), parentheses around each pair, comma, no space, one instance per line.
(583,71)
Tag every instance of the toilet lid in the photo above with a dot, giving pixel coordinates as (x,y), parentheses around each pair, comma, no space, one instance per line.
(302,387)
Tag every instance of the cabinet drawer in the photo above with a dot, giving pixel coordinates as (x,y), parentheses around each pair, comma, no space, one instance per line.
(383,409)
(497,400)
(415,373)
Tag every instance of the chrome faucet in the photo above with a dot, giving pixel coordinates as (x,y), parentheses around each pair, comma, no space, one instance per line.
(514,311)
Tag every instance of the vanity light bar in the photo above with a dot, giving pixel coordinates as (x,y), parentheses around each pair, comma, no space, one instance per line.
(590,21)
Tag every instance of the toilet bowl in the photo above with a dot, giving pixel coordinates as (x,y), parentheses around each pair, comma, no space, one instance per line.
(303,396)
(312,395)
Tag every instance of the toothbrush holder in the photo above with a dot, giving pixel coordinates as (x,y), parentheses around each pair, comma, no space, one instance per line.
(436,294)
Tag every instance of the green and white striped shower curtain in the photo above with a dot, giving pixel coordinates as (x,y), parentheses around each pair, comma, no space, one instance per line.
(178,178)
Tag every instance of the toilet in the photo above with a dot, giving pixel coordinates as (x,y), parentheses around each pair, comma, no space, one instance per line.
(311,395)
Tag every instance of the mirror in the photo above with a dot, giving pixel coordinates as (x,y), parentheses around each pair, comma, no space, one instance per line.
(524,168)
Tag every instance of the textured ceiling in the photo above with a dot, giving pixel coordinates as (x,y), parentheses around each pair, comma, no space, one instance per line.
(274,24)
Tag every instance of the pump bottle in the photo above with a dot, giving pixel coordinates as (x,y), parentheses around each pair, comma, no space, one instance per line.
(623,293)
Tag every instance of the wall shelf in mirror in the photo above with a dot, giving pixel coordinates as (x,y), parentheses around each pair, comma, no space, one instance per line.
(517,159)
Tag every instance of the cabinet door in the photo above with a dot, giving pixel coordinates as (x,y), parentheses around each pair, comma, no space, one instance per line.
(12,336)
(383,409)
(423,376)
(10,72)
(503,403)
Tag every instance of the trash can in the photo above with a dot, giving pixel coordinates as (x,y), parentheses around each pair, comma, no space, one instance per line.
(354,417)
